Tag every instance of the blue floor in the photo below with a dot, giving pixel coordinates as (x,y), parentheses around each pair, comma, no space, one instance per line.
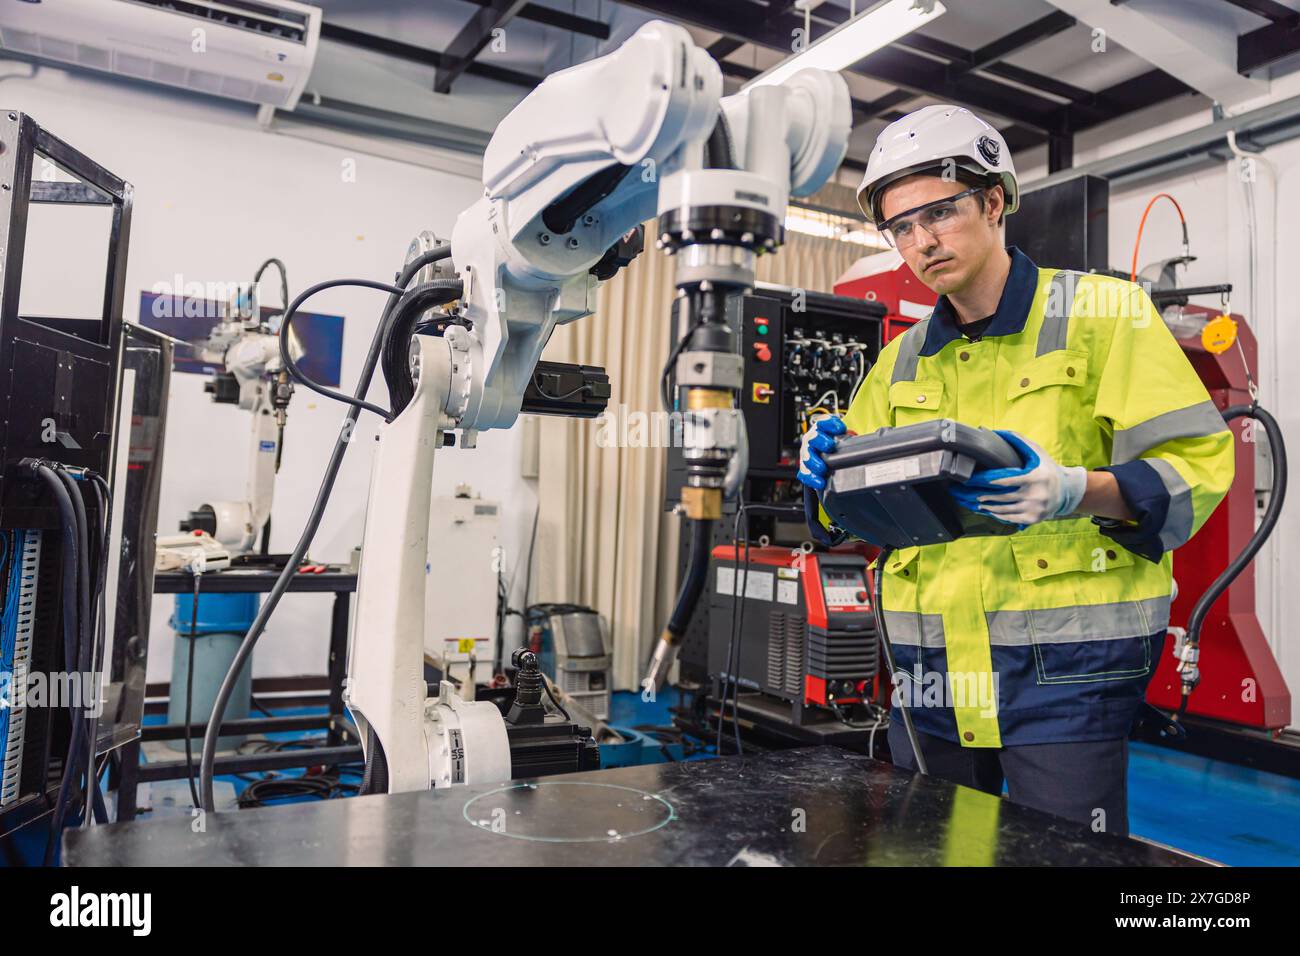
(350,775)
(1213,809)
(1218,810)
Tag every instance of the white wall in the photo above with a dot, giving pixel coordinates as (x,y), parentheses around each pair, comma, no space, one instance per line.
(214,196)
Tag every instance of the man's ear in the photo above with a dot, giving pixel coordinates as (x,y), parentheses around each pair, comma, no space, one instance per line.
(995,204)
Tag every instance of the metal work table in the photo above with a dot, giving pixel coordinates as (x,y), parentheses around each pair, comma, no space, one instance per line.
(341,745)
(813,806)
(337,581)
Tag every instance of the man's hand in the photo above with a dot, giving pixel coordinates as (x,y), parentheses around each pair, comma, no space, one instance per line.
(816,442)
(1039,490)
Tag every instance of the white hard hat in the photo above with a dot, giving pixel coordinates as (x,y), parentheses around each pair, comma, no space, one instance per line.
(923,140)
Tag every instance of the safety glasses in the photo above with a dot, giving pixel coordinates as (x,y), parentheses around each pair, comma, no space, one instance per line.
(936,218)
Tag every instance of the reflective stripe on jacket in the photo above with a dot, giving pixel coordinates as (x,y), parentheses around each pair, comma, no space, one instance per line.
(1050,633)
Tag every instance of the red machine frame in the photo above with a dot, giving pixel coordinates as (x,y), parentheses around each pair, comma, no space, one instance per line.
(1241,682)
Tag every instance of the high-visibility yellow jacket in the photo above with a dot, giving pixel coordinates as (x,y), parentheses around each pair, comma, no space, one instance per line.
(1050,633)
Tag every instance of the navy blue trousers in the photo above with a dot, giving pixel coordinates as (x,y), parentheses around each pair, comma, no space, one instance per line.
(1085,781)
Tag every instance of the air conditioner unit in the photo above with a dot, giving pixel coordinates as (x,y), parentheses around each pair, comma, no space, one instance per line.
(260,51)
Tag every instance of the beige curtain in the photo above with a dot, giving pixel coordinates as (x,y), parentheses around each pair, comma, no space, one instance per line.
(603,539)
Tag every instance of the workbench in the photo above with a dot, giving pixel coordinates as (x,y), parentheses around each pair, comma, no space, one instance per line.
(817,806)
(341,744)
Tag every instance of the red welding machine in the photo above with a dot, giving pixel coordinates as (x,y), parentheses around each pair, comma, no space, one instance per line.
(804,633)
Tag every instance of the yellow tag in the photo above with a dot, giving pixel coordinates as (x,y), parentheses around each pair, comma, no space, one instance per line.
(1219,334)
(465,645)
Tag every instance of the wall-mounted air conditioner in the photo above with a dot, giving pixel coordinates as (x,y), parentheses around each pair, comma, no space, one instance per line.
(260,51)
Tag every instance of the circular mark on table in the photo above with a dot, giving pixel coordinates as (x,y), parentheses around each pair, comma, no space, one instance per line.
(582,813)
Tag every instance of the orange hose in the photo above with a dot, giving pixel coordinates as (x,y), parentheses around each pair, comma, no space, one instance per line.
(1138,242)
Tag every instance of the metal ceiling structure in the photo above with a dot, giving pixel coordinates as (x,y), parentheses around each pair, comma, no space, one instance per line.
(1031,107)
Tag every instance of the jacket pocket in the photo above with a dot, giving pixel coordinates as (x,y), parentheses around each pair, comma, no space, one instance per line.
(1046,401)
(1062,367)
(1041,556)
(911,402)
(1079,637)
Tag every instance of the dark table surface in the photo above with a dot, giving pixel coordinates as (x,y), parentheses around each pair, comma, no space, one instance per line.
(811,806)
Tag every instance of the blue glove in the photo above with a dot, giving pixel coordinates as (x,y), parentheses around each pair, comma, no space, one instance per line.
(1040,489)
(816,442)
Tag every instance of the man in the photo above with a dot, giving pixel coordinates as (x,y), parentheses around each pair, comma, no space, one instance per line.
(1043,637)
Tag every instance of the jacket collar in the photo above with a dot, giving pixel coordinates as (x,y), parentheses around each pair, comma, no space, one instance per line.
(1009,319)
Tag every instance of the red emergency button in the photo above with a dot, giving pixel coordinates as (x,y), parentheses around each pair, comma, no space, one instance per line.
(762,393)
(762,352)
(862,597)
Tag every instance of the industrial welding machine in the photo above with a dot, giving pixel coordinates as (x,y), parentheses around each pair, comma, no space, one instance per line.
(804,631)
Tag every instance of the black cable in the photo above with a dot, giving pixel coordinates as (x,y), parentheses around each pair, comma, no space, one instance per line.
(838,710)
(879,612)
(291,366)
(284,284)
(537,384)
(324,786)
(189,690)
(737,636)
(532,543)
(503,600)
(395,351)
(740,637)
(1277,450)
(68,522)
(85,637)
(279,450)
(737,608)
(546,685)
(697,573)
(99,601)
(308,534)
(665,393)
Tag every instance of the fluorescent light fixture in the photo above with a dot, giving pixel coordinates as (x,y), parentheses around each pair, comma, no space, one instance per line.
(850,42)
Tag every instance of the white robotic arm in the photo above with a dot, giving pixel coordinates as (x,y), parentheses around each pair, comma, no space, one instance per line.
(251,355)
(589,155)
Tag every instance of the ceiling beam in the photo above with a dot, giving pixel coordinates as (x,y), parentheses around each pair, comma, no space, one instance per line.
(1066,91)
(1026,36)
(1197,49)
(892,65)
(725,46)
(1268,9)
(423,55)
(1268,44)
(558,18)
(473,38)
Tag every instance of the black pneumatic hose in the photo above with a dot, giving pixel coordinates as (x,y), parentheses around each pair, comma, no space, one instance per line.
(718,150)
(291,366)
(688,596)
(1277,447)
(284,281)
(309,532)
(697,573)
(888,650)
(394,359)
